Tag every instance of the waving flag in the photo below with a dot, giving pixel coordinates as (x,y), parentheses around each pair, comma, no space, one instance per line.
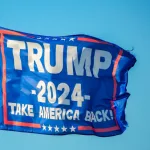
(62,85)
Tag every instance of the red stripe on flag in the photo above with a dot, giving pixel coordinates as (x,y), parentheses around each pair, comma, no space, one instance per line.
(23,124)
(114,73)
(92,40)
(10,32)
(6,121)
(85,128)
(115,83)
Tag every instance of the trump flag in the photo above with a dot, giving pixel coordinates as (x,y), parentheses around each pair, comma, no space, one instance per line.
(62,85)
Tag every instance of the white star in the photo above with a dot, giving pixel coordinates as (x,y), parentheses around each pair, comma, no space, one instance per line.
(44,127)
(33,92)
(49,128)
(54,39)
(56,129)
(64,129)
(72,129)
(63,39)
(47,38)
(71,39)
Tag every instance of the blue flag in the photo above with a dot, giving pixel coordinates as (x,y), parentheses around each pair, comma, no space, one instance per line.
(62,85)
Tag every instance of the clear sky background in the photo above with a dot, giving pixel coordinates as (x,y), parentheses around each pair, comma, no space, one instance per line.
(123,22)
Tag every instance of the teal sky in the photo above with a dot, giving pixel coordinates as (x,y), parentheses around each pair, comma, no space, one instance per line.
(123,22)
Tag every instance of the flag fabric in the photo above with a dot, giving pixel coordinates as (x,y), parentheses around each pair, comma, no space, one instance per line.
(62,85)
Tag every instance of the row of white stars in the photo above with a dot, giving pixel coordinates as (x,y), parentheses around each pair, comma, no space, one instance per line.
(64,129)
(62,39)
